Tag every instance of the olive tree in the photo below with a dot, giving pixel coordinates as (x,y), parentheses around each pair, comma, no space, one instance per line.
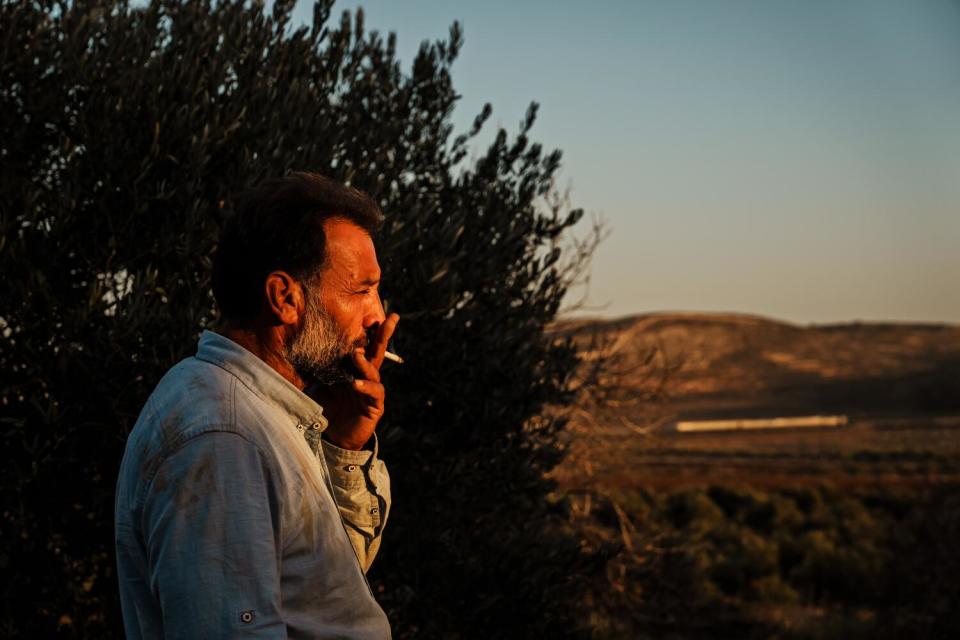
(124,131)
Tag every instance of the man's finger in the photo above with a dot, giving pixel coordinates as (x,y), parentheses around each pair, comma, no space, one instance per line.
(374,392)
(385,332)
(366,369)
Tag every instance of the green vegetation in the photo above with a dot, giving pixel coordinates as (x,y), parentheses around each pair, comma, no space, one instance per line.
(791,563)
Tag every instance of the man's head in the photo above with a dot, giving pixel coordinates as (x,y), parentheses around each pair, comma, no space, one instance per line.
(297,258)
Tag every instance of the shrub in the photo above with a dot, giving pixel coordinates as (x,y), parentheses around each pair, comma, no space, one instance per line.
(692,509)
(741,557)
(836,572)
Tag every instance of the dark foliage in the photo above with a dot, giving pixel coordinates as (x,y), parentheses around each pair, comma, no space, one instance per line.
(123,131)
(802,562)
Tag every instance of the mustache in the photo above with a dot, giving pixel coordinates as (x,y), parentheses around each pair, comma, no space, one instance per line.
(360,343)
(363,341)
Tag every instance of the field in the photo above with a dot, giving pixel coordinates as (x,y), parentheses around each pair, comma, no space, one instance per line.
(868,453)
(838,532)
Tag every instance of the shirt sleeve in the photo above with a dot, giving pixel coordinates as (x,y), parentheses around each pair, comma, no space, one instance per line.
(361,486)
(211,522)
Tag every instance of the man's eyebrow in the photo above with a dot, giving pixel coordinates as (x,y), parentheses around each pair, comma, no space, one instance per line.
(369,282)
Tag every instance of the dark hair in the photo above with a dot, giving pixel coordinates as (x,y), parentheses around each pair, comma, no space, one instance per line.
(278,225)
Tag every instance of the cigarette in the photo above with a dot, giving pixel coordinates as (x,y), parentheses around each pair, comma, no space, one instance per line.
(392,357)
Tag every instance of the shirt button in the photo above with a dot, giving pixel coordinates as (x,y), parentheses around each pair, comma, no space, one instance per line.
(351,467)
(246,617)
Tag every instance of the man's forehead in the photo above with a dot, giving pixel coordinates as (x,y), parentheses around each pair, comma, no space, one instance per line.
(350,251)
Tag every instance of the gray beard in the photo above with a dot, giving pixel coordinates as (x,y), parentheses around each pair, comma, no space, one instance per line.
(319,351)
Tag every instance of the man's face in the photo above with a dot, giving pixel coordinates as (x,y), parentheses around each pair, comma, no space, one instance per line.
(341,309)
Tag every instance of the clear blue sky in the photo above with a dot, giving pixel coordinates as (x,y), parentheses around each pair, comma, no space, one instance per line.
(799,160)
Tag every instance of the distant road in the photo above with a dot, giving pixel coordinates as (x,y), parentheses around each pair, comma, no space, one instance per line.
(796,422)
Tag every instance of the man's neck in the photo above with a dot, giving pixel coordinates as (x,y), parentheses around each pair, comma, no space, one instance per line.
(267,344)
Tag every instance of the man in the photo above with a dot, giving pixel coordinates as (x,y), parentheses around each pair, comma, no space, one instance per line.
(244,507)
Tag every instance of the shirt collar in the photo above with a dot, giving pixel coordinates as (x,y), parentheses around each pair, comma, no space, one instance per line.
(260,378)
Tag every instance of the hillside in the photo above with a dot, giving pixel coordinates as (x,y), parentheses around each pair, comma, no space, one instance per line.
(717,365)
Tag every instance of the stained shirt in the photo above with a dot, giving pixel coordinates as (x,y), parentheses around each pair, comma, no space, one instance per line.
(235,519)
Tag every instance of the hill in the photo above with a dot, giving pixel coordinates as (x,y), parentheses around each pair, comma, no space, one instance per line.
(720,365)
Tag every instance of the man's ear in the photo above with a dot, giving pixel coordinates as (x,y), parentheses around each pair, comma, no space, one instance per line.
(285,302)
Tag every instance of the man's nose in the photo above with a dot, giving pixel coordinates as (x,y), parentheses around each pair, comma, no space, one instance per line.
(375,314)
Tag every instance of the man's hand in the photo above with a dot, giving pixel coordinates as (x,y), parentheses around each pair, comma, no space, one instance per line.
(353,410)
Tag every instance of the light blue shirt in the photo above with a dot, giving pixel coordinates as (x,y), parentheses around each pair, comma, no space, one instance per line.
(231,523)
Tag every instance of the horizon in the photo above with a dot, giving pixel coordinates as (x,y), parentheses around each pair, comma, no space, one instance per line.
(721,314)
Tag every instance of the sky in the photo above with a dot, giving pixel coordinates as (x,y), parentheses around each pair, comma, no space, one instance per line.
(796,160)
